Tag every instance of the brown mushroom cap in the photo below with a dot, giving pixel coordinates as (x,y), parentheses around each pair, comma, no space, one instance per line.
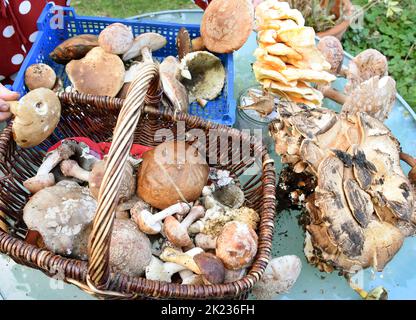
(40,76)
(74,48)
(130,249)
(211,267)
(167,176)
(117,38)
(333,52)
(176,233)
(183,43)
(237,245)
(98,73)
(36,116)
(226,25)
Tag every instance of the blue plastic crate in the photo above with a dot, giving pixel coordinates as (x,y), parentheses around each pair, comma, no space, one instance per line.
(222,110)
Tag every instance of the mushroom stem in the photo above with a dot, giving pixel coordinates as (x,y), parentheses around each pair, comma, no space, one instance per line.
(180,258)
(147,54)
(43,177)
(196,213)
(179,208)
(334,95)
(202,102)
(71,168)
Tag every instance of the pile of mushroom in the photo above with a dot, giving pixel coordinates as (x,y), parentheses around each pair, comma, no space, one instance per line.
(174,214)
(287,57)
(363,205)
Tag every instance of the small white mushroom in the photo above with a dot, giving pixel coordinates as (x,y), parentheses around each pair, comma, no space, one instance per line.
(279,277)
(43,177)
(152,224)
(144,45)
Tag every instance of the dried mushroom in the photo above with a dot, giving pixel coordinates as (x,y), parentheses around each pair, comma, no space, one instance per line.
(203,75)
(98,73)
(36,116)
(363,204)
(74,48)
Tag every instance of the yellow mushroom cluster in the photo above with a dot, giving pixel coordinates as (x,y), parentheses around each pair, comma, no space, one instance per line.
(287,57)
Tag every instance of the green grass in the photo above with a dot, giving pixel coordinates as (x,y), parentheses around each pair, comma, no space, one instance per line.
(127,8)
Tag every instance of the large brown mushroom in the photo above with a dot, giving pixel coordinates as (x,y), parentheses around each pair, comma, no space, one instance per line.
(36,116)
(74,48)
(117,38)
(226,25)
(98,73)
(237,245)
(40,75)
(174,171)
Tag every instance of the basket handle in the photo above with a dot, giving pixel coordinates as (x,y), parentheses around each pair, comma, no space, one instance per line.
(148,83)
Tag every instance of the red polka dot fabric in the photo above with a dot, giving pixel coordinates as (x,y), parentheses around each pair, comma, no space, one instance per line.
(18,32)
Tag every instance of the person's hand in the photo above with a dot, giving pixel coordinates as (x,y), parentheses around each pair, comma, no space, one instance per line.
(6,95)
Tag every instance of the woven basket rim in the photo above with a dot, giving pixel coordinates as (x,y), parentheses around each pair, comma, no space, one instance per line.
(26,254)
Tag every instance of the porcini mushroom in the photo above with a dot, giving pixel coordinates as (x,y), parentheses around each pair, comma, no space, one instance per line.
(62,214)
(173,88)
(226,25)
(237,245)
(280,276)
(203,75)
(144,45)
(116,38)
(130,249)
(152,223)
(173,171)
(36,116)
(98,73)
(43,177)
(163,271)
(74,48)
(177,232)
(40,75)
(71,168)
(205,264)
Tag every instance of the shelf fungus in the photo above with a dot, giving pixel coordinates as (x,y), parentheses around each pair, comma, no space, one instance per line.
(363,205)
(287,56)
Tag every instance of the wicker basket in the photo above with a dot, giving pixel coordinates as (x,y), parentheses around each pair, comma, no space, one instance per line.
(96,117)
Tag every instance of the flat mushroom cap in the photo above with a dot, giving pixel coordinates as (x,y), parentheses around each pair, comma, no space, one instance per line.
(151,40)
(40,76)
(226,25)
(37,115)
(98,73)
(62,214)
(176,233)
(212,268)
(237,245)
(117,38)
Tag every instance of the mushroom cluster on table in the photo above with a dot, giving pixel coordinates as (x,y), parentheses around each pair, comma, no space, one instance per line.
(177,220)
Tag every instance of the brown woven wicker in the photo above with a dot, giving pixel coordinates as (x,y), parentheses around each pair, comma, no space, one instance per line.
(97,118)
